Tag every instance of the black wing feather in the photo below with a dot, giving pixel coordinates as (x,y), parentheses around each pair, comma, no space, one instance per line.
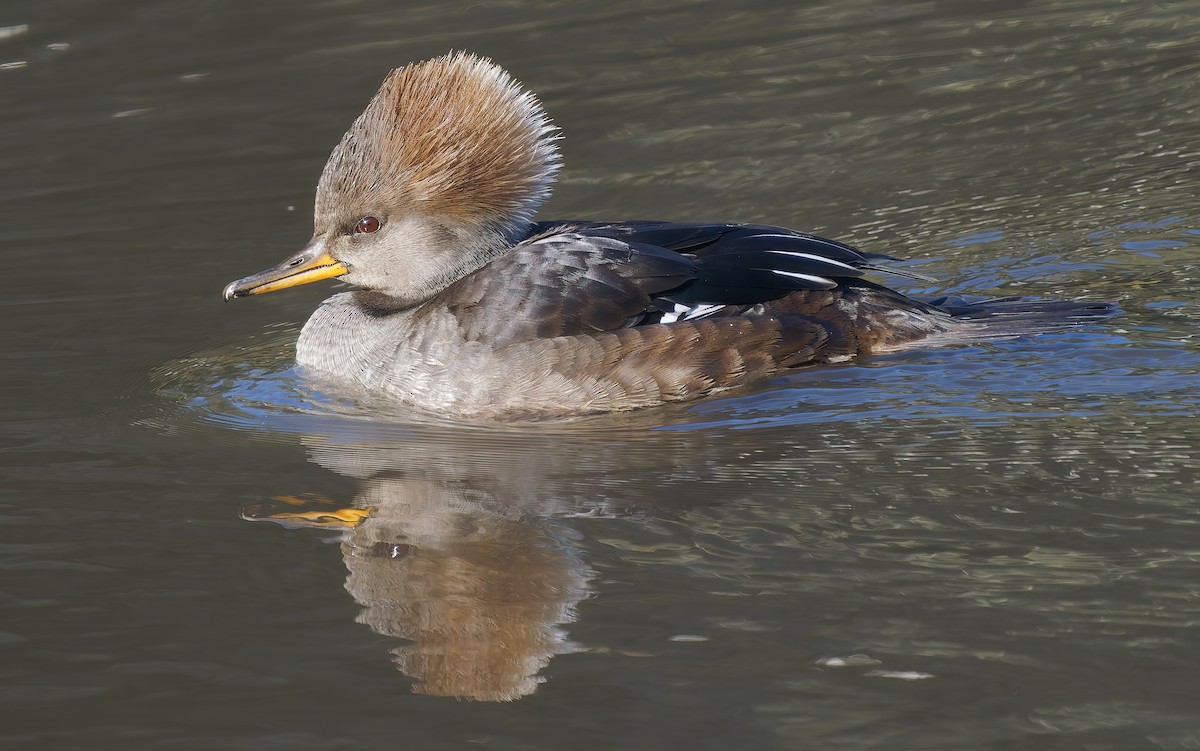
(739,287)
(794,263)
(583,277)
(704,240)
(741,264)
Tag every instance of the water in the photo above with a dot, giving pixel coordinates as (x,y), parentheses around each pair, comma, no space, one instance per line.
(990,547)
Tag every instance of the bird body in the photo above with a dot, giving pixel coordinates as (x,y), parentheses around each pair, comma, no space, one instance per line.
(468,308)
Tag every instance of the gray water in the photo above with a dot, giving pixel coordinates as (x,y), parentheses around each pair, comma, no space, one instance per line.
(989,547)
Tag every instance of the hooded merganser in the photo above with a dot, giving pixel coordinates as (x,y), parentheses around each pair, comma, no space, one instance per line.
(469,308)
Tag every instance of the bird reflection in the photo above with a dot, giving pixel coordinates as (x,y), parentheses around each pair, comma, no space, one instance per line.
(456,549)
(457,541)
(481,595)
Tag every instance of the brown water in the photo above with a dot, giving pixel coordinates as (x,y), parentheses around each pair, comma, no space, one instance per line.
(993,547)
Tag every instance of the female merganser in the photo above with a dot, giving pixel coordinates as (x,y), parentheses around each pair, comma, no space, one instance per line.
(470,309)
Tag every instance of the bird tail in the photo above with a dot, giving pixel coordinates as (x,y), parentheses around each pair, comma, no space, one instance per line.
(1005,317)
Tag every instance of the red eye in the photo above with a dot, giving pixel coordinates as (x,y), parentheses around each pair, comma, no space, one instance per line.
(367,225)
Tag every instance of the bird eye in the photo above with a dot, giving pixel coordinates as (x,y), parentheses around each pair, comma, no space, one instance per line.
(367,225)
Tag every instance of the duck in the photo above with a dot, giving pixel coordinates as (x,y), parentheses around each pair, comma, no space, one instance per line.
(463,305)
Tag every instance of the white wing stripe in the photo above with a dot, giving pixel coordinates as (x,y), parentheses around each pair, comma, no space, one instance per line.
(689,313)
(821,259)
(700,311)
(807,277)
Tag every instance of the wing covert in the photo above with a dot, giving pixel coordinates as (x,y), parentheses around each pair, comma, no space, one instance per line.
(563,284)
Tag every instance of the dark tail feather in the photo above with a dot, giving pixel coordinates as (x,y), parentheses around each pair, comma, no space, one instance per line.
(1005,317)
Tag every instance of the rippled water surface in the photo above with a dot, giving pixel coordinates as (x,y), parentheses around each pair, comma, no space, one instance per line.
(988,547)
